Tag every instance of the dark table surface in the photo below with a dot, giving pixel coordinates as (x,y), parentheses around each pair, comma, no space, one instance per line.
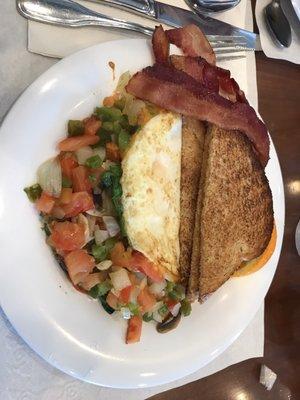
(279,105)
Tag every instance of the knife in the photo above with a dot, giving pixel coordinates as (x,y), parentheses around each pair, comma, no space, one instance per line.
(177,17)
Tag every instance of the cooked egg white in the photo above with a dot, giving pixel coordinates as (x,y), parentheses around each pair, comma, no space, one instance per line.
(151,190)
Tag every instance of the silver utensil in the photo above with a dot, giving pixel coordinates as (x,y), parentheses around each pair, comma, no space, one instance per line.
(69,13)
(278,25)
(211,6)
(297,237)
(176,17)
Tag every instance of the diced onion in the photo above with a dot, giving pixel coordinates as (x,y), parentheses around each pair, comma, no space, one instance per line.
(83,154)
(100,235)
(123,80)
(132,109)
(125,312)
(104,265)
(83,221)
(111,225)
(99,151)
(267,377)
(120,279)
(134,294)
(94,213)
(156,315)
(157,288)
(50,177)
(175,309)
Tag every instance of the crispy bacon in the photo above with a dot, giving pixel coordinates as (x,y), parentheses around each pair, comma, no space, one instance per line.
(192,42)
(177,91)
(160,45)
(214,78)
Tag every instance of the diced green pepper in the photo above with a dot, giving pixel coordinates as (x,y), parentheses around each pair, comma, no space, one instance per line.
(170,286)
(105,137)
(133,308)
(100,289)
(33,192)
(163,310)
(123,140)
(108,126)
(147,317)
(108,113)
(186,307)
(117,127)
(66,182)
(75,128)
(106,179)
(109,243)
(94,162)
(178,292)
(99,252)
(104,304)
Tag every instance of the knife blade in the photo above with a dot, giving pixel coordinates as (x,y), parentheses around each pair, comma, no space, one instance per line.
(177,17)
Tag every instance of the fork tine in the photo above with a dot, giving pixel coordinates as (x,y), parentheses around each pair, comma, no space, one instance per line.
(227,45)
(231,50)
(213,38)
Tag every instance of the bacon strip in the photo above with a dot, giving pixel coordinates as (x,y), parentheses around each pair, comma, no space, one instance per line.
(176,91)
(214,78)
(160,45)
(192,42)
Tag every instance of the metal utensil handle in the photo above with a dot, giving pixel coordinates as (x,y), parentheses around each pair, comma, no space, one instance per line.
(70,13)
(141,6)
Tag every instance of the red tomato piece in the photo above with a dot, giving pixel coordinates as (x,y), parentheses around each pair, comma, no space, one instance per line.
(80,179)
(45,203)
(67,165)
(125,294)
(79,264)
(91,125)
(80,202)
(134,330)
(112,300)
(76,142)
(67,236)
(171,304)
(147,267)
(146,299)
(120,257)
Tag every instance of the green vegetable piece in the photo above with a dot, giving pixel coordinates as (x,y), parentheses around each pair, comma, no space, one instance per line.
(147,317)
(178,292)
(66,182)
(104,304)
(124,122)
(117,128)
(99,252)
(92,178)
(100,289)
(120,104)
(94,162)
(133,308)
(108,113)
(105,137)
(163,310)
(106,179)
(109,243)
(33,192)
(122,226)
(108,126)
(75,128)
(186,307)
(170,286)
(123,140)
(116,170)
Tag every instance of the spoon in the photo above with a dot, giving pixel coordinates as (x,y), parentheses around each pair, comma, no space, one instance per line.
(278,25)
(211,6)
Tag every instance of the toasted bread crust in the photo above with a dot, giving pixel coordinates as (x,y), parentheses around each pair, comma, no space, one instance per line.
(235,210)
(191,160)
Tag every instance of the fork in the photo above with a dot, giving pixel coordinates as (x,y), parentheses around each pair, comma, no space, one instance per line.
(71,14)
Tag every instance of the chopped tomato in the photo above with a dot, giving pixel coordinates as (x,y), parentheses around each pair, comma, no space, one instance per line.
(125,294)
(67,236)
(80,179)
(171,304)
(112,300)
(91,126)
(147,267)
(110,100)
(120,257)
(80,202)
(45,203)
(134,330)
(79,264)
(67,165)
(112,152)
(76,142)
(146,299)
(65,196)
(57,212)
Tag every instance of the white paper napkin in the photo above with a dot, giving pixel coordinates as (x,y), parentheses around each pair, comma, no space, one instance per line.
(36,380)
(291,53)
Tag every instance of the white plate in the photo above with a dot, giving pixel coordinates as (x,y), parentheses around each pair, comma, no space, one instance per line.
(65,327)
